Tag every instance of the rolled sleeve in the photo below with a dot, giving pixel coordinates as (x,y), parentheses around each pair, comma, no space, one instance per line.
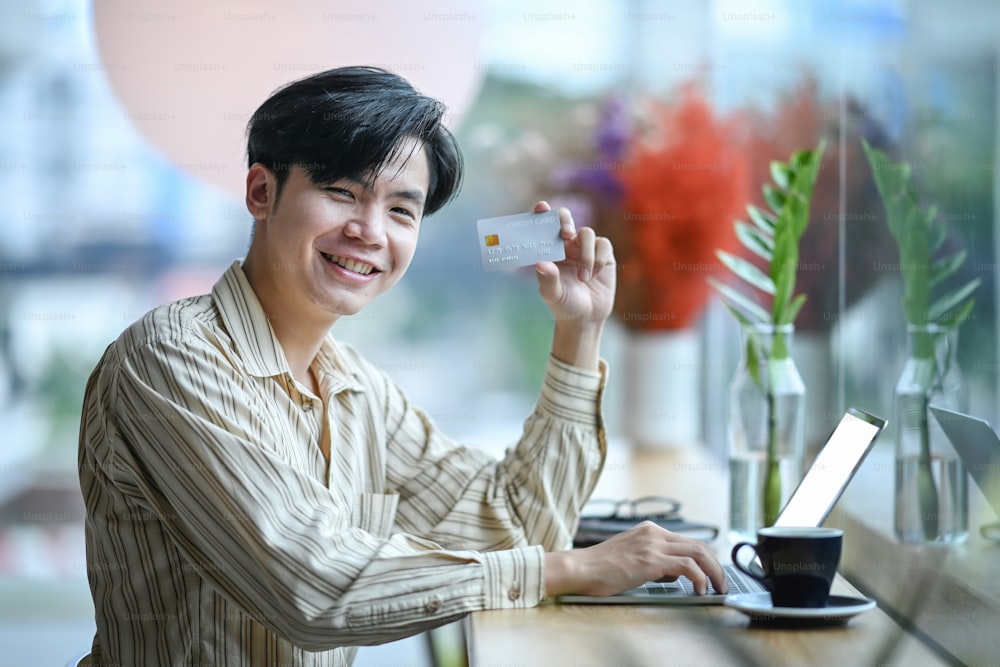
(573,394)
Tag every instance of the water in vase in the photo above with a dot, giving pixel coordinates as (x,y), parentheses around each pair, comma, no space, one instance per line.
(948,522)
(746,471)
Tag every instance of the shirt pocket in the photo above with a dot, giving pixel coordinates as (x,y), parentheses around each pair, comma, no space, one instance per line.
(375,513)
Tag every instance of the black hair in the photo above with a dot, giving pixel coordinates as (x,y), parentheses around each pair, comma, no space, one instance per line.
(351,122)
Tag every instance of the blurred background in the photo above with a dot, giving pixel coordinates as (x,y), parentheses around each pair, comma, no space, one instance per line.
(121,172)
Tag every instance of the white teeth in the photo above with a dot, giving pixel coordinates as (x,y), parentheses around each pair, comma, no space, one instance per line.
(350,264)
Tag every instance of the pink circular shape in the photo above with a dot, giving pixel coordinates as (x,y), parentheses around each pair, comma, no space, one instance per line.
(190,73)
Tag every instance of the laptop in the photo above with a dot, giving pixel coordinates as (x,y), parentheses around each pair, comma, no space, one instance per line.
(978,446)
(809,505)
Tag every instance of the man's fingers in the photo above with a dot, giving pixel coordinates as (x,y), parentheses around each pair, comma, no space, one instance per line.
(585,266)
(567,228)
(706,568)
(592,253)
(604,254)
(548,281)
(696,561)
(690,568)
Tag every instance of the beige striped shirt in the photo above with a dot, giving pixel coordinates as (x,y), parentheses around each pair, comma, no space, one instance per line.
(217,534)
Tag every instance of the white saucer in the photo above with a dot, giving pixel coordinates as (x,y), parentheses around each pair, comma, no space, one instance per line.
(837,610)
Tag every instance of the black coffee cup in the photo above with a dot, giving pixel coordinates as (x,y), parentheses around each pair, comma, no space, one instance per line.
(797,565)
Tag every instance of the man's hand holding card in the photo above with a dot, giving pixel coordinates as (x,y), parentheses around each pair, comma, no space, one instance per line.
(576,271)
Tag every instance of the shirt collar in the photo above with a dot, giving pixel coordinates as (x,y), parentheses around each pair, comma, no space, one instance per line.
(255,341)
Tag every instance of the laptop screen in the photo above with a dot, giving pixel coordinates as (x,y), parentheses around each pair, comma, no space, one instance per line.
(977,445)
(832,470)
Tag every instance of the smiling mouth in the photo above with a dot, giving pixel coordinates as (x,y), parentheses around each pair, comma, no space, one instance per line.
(351,265)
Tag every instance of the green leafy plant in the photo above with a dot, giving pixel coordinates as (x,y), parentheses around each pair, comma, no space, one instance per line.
(920,236)
(773,235)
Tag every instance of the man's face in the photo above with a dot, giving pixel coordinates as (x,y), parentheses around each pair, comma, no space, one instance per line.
(330,248)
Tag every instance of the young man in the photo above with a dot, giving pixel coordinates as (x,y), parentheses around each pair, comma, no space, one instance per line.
(259,494)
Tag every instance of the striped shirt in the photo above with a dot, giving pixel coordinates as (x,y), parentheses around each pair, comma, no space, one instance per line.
(217,534)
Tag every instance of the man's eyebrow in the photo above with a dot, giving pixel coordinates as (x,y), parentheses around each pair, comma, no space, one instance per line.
(416,196)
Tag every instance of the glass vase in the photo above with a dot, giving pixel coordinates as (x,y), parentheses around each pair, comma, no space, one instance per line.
(931,490)
(766,414)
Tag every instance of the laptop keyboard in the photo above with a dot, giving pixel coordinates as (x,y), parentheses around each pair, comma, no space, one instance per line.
(738,583)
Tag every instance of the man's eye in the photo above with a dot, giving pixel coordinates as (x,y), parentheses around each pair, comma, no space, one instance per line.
(405,211)
(343,192)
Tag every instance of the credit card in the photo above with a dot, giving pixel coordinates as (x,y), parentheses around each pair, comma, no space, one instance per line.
(520,240)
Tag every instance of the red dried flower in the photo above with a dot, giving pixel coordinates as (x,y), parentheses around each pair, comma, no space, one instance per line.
(684,180)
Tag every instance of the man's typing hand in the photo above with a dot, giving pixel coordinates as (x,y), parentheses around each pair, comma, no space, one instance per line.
(644,553)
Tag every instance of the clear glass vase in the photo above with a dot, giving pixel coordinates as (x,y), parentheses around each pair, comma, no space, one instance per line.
(931,491)
(766,414)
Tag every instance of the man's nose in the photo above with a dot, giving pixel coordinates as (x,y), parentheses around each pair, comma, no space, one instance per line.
(369,226)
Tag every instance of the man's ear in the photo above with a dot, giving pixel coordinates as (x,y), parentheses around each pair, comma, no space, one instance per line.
(261,191)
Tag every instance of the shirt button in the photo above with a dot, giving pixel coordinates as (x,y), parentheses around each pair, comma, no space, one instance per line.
(432,605)
(307,405)
(514,594)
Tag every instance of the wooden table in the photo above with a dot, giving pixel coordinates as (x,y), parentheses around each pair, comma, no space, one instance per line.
(554,635)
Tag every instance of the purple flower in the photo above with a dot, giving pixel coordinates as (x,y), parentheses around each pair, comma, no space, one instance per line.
(613,129)
(598,178)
